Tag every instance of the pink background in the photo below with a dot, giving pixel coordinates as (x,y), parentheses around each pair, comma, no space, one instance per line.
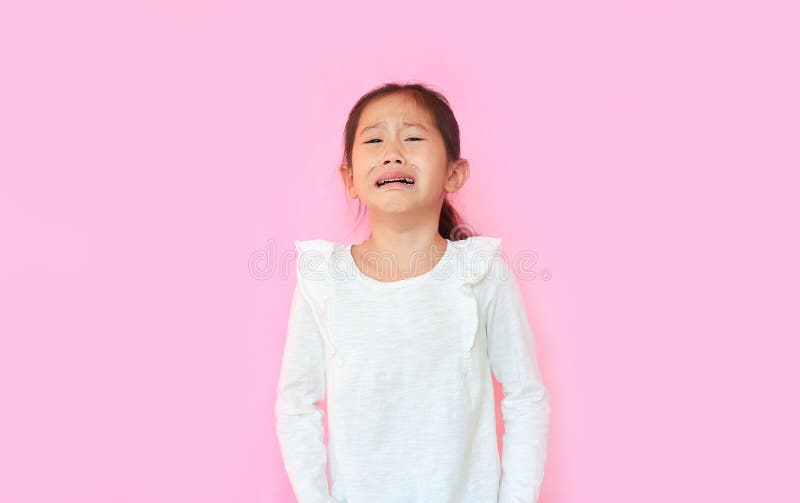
(159,159)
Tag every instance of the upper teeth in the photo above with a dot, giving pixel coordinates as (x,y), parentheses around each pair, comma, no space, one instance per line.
(406,180)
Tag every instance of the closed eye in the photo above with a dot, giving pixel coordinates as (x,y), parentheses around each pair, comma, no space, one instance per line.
(378,139)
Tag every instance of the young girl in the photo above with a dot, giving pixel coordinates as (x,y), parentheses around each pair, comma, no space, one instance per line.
(403,355)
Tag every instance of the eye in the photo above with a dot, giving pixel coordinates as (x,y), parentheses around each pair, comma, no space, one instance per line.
(373,140)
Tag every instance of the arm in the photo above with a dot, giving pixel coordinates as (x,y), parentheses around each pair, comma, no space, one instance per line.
(525,406)
(299,421)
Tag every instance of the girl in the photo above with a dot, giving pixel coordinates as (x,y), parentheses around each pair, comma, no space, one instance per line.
(405,354)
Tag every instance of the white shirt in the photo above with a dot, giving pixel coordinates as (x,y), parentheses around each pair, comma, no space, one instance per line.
(405,369)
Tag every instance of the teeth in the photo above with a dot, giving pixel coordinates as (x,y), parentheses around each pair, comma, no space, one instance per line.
(406,180)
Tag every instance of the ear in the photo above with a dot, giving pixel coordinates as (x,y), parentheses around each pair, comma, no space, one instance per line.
(347,178)
(458,175)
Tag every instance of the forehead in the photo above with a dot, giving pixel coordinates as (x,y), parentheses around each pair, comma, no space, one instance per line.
(395,108)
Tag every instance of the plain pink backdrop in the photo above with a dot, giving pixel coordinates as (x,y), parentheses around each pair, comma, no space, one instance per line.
(159,159)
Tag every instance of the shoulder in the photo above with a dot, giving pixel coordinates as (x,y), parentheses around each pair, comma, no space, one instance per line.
(315,252)
(479,245)
(314,246)
(313,265)
(478,258)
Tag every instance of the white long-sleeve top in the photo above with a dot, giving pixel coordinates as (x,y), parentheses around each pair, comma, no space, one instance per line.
(405,369)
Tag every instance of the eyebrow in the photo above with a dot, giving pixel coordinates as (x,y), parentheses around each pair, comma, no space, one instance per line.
(404,124)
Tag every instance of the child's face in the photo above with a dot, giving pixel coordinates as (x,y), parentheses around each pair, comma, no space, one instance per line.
(415,150)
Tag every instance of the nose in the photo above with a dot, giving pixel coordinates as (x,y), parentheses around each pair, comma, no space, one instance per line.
(393,154)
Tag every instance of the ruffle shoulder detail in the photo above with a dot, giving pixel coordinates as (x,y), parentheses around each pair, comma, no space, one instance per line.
(476,256)
(314,280)
(313,256)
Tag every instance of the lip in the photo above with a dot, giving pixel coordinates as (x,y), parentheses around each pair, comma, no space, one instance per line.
(395,174)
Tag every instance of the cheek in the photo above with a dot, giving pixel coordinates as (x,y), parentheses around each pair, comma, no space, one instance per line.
(434,160)
(361,164)
(359,175)
(364,153)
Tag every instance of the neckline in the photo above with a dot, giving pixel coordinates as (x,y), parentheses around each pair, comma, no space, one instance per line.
(420,278)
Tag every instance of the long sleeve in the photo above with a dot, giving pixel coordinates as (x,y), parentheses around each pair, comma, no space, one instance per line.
(299,421)
(525,406)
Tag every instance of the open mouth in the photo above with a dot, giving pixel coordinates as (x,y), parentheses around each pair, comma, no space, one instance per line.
(402,180)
